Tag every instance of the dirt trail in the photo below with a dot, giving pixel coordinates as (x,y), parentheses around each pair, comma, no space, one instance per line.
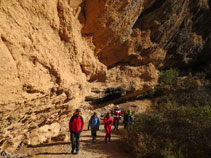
(88,149)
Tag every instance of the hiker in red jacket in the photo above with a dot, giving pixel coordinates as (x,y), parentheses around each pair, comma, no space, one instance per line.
(76,126)
(107,125)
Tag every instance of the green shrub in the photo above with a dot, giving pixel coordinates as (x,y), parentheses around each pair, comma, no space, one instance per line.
(169,77)
(171,132)
(189,83)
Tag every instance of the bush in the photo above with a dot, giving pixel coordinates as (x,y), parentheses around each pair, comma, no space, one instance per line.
(169,77)
(171,132)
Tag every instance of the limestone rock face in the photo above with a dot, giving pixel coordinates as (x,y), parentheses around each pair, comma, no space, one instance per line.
(59,55)
(40,135)
(110,22)
(180,27)
(41,50)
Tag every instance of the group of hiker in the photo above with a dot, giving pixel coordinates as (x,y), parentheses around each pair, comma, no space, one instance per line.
(128,117)
(76,125)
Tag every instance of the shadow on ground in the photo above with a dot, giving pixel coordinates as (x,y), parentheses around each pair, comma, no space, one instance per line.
(110,149)
(48,153)
(49,144)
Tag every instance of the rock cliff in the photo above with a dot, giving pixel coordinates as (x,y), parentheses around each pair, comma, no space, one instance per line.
(57,55)
(180,27)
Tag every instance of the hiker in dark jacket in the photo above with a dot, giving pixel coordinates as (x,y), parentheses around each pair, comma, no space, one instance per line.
(76,126)
(94,123)
(126,120)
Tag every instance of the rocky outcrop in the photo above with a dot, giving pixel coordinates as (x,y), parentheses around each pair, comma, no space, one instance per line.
(58,55)
(110,23)
(45,65)
(180,27)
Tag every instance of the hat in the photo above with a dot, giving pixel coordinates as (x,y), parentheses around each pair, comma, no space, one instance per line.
(78,110)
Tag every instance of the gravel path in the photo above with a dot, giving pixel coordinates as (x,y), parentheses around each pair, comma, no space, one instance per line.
(88,149)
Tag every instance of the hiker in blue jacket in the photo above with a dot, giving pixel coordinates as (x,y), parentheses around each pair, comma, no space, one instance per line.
(94,123)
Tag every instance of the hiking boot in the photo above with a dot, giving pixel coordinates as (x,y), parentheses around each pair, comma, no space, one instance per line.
(77,152)
(72,151)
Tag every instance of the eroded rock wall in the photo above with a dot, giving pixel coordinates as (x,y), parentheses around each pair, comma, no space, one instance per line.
(180,27)
(42,50)
(45,65)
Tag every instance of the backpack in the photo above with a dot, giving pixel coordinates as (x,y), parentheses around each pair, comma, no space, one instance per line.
(130,113)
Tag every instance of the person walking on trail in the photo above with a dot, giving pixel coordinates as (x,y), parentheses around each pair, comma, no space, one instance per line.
(126,120)
(117,117)
(107,125)
(133,116)
(94,123)
(130,115)
(76,126)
